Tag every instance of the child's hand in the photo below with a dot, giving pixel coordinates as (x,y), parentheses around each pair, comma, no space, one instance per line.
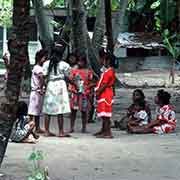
(31,124)
(97,94)
(5,56)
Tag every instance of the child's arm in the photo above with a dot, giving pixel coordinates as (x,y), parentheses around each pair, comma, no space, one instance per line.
(99,92)
(6,60)
(91,85)
(153,123)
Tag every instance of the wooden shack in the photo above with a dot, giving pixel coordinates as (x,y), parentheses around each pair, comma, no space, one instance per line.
(141,51)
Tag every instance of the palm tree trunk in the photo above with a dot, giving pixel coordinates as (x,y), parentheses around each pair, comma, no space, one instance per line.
(46,37)
(18,48)
(119,25)
(108,20)
(79,27)
(178,14)
(100,27)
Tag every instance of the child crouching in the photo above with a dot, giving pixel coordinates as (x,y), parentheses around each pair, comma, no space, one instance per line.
(23,130)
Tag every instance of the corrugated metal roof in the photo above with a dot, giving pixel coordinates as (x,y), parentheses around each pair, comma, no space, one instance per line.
(139,40)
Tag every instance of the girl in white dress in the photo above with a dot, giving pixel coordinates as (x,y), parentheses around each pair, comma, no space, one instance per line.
(56,99)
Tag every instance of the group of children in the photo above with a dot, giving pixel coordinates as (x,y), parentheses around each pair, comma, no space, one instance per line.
(139,120)
(59,87)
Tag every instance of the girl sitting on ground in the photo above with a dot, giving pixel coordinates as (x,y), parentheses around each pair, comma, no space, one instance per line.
(165,121)
(23,131)
(139,118)
(137,96)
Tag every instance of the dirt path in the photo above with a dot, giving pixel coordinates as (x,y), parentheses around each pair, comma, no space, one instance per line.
(83,157)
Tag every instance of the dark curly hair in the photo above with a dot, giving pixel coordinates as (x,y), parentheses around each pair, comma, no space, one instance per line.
(55,58)
(40,54)
(22,109)
(164,97)
(102,52)
(140,92)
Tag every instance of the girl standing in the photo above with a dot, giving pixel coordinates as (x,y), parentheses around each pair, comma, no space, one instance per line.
(104,94)
(36,96)
(56,100)
(81,92)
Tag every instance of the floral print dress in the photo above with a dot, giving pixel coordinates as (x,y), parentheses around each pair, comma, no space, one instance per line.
(56,99)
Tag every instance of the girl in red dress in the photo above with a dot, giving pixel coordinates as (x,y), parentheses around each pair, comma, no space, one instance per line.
(80,92)
(104,93)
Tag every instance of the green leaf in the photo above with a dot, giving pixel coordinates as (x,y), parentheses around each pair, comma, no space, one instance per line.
(166,32)
(115,4)
(31,178)
(140,4)
(6,13)
(158,22)
(39,176)
(32,156)
(39,155)
(155,4)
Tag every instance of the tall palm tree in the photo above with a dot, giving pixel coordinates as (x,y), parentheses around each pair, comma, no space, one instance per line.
(99,27)
(18,48)
(108,20)
(46,37)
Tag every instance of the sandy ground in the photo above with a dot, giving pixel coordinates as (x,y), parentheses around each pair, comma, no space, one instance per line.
(83,157)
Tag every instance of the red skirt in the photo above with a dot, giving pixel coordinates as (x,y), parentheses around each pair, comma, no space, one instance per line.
(104,109)
(104,104)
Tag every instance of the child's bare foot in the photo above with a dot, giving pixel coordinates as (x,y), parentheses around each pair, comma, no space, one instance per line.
(30,139)
(48,134)
(35,135)
(40,131)
(83,130)
(105,135)
(98,133)
(64,135)
(71,131)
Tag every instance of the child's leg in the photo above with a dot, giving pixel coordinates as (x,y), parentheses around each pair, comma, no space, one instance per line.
(29,139)
(84,121)
(90,113)
(101,131)
(107,129)
(37,124)
(46,125)
(61,126)
(73,119)
(140,130)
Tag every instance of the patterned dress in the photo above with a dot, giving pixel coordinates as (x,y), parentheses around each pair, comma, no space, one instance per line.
(56,99)
(167,117)
(105,100)
(36,98)
(142,114)
(20,130)
(80,97)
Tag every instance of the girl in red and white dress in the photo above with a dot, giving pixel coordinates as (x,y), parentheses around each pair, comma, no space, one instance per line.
(165,121)
(104,93)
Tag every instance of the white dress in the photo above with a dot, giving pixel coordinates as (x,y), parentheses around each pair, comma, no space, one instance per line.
(56,99)
(36,98)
